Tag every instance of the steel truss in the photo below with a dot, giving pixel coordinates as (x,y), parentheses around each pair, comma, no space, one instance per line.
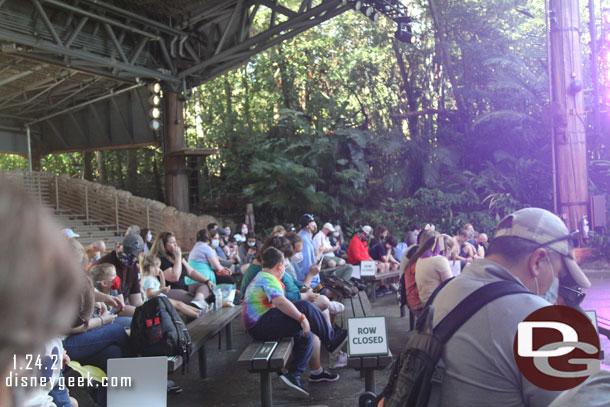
(88,48)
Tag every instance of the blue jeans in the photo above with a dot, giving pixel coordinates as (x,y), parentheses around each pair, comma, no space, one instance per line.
(125,322)
(61,398)
(95,347)
(274,324)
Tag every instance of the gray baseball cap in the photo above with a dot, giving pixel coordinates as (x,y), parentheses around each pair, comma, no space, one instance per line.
(133,245)
(545,228)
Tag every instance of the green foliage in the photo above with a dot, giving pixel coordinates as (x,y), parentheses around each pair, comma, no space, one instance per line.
(601,242)
(13,162)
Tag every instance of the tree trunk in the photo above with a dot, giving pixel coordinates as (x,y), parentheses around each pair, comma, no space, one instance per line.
(101,167)
(441,37)
(88,165)
(132,170)
(157,177)
(120,179)
(285,79)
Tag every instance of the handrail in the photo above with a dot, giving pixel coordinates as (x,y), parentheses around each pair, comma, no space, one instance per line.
(101,204)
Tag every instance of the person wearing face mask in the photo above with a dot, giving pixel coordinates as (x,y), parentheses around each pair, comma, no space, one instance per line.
(247,252)
(204,259)
(241,234)
(358,249)
(531,247)
(268,314)
(308,228)
(147,236)
(321,242)
(125,260)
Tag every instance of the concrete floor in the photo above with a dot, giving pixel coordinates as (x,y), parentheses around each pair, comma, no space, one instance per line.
(230,386)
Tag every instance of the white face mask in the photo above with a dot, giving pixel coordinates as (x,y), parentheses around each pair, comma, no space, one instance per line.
(148,237)
(244,231)
(251,244)
(297,258)
(553,291)
(215,243)
(336,234)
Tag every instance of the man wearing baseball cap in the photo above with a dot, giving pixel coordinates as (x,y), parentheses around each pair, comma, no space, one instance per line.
(125,261)
(531,246)
(321,243)
(308,228)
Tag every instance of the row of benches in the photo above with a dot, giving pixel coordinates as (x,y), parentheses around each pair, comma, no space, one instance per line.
(356,306)
(214,322)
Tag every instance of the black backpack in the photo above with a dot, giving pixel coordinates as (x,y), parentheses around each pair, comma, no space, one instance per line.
(339,287)
(415,369)
(158,330)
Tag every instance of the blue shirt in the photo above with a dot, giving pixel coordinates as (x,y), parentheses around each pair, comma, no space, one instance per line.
(309,258)
(221,253)
(399,250)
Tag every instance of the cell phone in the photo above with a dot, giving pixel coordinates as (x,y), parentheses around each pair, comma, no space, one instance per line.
(320,261)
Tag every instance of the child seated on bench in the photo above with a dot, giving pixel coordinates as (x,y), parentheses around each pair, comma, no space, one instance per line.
(269,315)
(153,283)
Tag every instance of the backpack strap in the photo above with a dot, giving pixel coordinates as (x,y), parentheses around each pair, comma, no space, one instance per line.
(474,302)
(436,291)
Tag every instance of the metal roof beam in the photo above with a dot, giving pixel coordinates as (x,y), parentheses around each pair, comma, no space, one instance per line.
(230,28)
(47,22)
(264,40)
(102,19)
(278,8)
(20,75)
(135,17)
(106,62)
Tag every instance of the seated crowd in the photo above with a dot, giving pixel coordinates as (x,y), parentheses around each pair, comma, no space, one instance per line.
(280,280)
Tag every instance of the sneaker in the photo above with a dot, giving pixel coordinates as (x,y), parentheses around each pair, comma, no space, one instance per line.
(338,341)
(336,308)
(173,388)
(325,376)
(294,383)
(201,304)
(339,360)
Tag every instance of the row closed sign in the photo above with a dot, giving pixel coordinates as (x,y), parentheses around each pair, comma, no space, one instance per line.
(367,336)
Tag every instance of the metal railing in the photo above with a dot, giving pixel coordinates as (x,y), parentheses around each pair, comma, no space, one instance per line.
(99,204)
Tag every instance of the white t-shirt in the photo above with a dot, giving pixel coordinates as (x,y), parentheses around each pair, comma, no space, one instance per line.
(321,242)
(49,362)
(428,273)
(151,282)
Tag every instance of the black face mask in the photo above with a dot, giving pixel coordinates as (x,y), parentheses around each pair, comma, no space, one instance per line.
(363,238)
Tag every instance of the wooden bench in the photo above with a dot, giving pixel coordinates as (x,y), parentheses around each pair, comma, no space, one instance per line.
(274,362)
(204,328)
(359,306)
(372,281)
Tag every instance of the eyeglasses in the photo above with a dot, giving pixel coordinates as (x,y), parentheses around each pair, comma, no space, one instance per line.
(572,295)
(568,237)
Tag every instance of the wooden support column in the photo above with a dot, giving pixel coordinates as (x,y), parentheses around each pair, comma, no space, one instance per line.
(176,180)
(569,119)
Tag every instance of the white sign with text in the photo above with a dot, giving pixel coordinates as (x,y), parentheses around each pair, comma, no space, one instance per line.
(367,336)
(368,268)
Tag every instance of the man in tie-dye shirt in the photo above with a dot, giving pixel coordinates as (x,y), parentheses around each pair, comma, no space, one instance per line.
(269,315)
